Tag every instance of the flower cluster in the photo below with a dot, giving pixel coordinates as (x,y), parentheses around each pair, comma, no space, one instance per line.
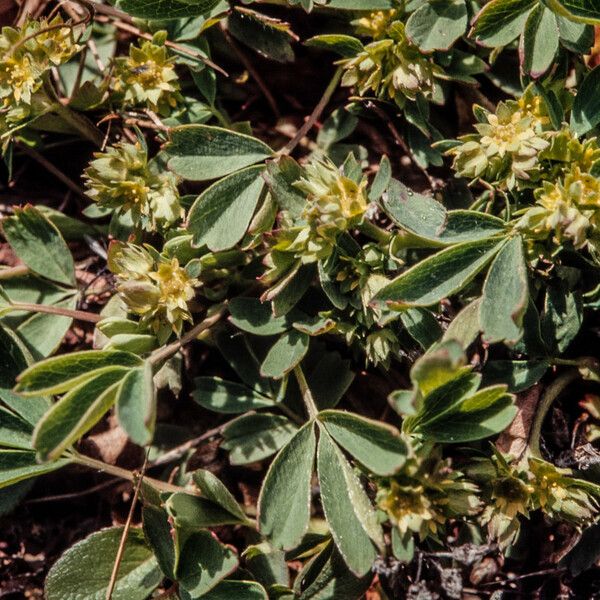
(27,53)
(147,78)
(357,279)
(568,204)
(155,288)
(123,178)
(391,67)
(334,204)
(515,491)
(426,494)
(508,144)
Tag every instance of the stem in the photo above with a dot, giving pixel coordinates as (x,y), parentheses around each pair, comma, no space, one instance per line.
(126,528)
(125,24)
(253,72)
(80,315)
(98,465)
(163,353)
(307,396)
(374,231)
(553,391)
(316,113)
(11,272)
(53,170)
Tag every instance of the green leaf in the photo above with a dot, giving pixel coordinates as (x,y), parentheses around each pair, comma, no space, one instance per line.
(285,354)
(18,465)
(60,373)
(518,375)
(328,391)
(43,333)
(240,353)
(268,36)
(327,577)
(253,437)
(202,152)
(583,11)
(281,174)
(39,244)
(499,22)
(345,46)
(84,570)
(376,445)
(136,404)
(576,37)
(382,179)
(157,530)
(444,399)
(212,489)
(204,563)
(213,393)
(166,9)
(436,25)
(240,590)
(422,326)
(256,317)
(432,224)
(361,4)
(220,216)
(482,415)
(437,367)
(505,295)
(440,275)
(15,432)
(76,413)
(465,328)
(539,43)
(585,114)
(562,318)
(193,513)
(284,501)
(347,508)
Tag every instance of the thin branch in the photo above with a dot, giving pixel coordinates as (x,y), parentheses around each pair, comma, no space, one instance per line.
(179,451)
(400,141)
(10,272)
(553,391)
(52,169)
(98,465)
(72,495)
(163,353)
(121,549)
(80,315)
(253,72)
(315,115)
(129,28)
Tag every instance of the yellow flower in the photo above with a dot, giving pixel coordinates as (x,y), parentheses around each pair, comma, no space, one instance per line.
(409,509)
(568,209)
(147,77)
(391,68)
(123,178)
(156,289)
(375,24)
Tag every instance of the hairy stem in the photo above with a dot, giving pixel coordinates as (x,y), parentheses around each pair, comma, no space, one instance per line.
(316,113)
(98,465)
(10,272)
(552,392)
(80,315)
(163,353)
(309,401)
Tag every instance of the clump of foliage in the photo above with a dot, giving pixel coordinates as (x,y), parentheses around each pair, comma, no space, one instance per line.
(380,343)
